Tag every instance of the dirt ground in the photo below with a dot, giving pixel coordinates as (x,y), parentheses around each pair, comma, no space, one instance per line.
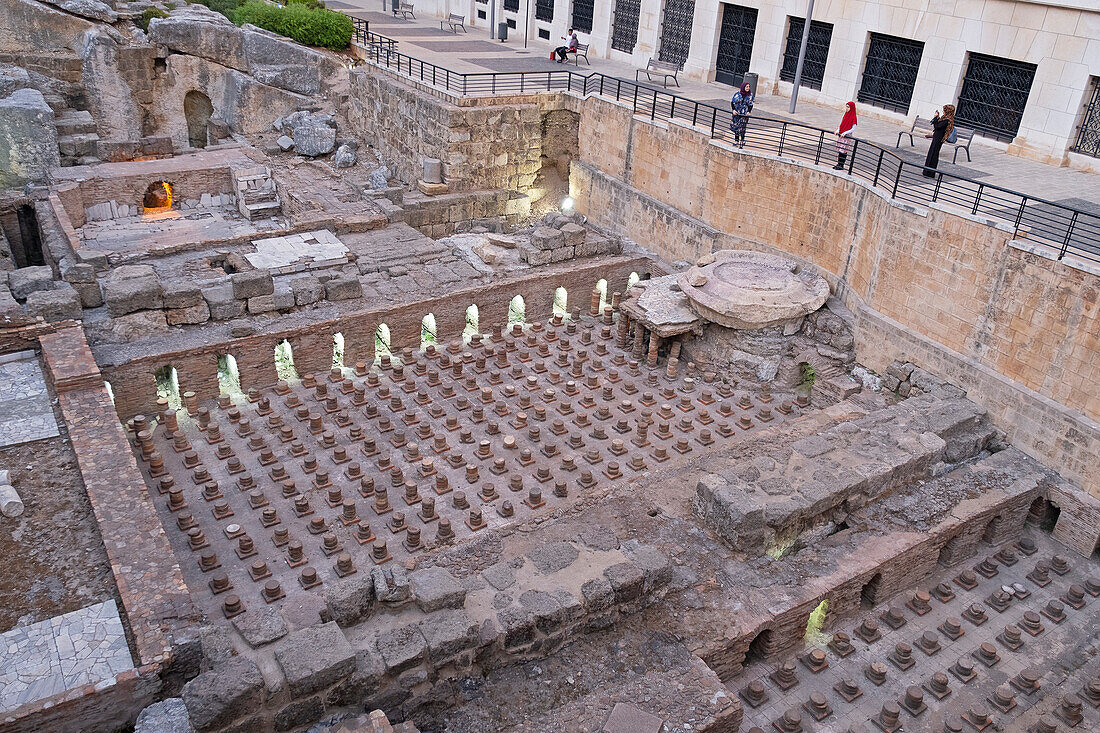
(53,557)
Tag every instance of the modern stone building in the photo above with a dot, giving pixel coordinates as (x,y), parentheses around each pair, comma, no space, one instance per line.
(1024,73)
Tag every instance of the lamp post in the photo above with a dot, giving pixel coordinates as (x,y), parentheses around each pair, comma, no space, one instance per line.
(801,55)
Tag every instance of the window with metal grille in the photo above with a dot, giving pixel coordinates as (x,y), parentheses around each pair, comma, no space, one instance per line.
(890,72)
(624,25)
(817,51)
(481,15)
(1088,134)
(544,34)
(511,5)
(582,15)
(544,10)
(676,31)
(994,94)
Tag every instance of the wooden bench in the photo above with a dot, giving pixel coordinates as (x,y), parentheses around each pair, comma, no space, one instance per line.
(659,68)
(405,10)
(923,127)
(581,51)
(455,22)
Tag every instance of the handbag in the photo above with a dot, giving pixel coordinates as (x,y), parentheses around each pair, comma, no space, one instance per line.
(954,136)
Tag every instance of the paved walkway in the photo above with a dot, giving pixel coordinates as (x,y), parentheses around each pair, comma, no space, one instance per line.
(474,53)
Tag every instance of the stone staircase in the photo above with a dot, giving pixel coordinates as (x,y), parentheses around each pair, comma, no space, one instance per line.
(76,137)
(256,194)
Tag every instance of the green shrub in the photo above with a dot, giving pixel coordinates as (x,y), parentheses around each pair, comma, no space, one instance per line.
(148,14)
(315,4)
(225,7)
(306,25)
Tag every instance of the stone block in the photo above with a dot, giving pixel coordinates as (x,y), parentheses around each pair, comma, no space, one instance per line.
(350,600)
(343,287)
(190,316)
(626,580)
(544,608)
(587,248)
(307,290)
(30,138)
(655,565)
(27,280)
(314,140)
(166,716)
(73,272)
(259,626)
(124,293)
(435,589)
(562,254)
(252,284)
(402,648)
(574,234)
(223,306)
(448,633)
(598,595)
(314,658)
(262,304)
(285,143)
(299,713)
(181,294)
(533,256)
(130,327)
(369,670)
(230,691)
(60,304)
(91,295)
(545,238)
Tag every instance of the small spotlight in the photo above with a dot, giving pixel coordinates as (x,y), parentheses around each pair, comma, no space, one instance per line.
(567,203)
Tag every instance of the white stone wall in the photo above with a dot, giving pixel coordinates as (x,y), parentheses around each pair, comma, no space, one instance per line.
(1061,36)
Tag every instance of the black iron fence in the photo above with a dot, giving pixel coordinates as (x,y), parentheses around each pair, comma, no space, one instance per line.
(1063,229)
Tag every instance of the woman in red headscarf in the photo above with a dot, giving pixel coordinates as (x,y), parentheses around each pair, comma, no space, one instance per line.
(844,136)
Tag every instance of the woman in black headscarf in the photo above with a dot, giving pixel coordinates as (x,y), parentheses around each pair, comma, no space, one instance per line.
(942,125)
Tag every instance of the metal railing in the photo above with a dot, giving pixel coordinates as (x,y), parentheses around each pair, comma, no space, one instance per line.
(1064,229)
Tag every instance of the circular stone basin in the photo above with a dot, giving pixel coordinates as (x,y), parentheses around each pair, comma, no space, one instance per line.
(748,290)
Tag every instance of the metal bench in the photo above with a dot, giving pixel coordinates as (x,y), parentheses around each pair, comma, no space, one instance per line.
(659,68)
(404,10)
(923,127)
(581,51)
(455,22)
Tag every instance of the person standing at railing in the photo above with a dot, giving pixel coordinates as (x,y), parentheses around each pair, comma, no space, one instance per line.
(844,136)
(942,127)
(741,104)
(570,47)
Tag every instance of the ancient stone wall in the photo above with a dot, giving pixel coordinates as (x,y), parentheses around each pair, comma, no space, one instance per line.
(952,287)
(483,144)
(135,390)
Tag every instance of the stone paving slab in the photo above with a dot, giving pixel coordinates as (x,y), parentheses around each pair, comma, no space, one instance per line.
(83,647)
(25,410)
(281,254)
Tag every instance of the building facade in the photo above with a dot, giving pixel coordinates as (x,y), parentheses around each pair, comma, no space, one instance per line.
(1023,73)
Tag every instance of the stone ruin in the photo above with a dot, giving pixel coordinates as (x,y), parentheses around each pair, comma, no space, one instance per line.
(303,429)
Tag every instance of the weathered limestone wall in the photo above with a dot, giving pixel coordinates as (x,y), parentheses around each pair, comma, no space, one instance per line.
(27,26)
(486,143)
(1017,330)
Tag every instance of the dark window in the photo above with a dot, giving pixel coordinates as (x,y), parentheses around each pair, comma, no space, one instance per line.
(994,93)
(890,72)
(813,69)
(582,15)
(1088,134)
(481,15)
(676,31)
(544,10)
(624,26)
(511,23)
(511,5)
(544,34)
(735,44)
